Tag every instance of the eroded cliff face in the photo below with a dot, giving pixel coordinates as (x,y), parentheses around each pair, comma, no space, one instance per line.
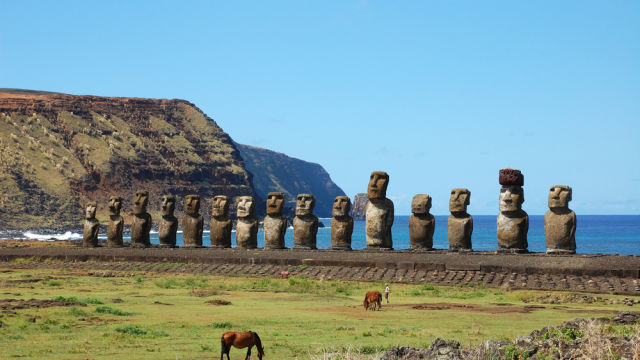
(274,171)
(59,151)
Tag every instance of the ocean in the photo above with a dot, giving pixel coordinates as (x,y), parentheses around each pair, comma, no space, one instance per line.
(595,234)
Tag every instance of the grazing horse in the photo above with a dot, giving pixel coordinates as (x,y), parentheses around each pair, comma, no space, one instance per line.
(372,298)
(240,340)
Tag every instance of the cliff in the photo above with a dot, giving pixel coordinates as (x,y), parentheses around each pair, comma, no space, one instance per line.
(58,151)
(274,171)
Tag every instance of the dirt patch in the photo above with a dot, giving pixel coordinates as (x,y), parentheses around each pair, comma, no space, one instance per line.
(202,293)
(218,302)
(18,304)
(160,303)
(500,309)
(576,311)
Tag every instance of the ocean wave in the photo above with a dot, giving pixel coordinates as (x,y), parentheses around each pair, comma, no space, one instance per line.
(52,237)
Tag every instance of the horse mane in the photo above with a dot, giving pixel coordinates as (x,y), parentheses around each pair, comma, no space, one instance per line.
(258,342)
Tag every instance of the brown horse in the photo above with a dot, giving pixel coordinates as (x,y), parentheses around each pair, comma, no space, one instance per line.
(240,340)
(372,298)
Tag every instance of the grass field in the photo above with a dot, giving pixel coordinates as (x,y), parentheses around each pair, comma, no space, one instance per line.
(114,315)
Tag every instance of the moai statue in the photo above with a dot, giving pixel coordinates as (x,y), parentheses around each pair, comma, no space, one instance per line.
(116,222)
(421,223)
(460,223)
(513,222)
(560,222)
(169,223)
(275,224)
(247,224)
(91,226)
(305,224)
(221,224)
(341,224)
(379,213)
(141,220)
(192,222)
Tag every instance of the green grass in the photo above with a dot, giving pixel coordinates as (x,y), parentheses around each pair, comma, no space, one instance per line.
(159,317)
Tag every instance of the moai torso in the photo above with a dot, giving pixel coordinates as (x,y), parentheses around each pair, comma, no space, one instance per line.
(560,222)
(192,222)
(460,223)
(513,222)
(169,223)
(421,223)
(341,224)
(221,224)
(141,225)
(379,212)
(275,224)
(247,224)
(91,226)
(116,222)
(512,230)
(305,224)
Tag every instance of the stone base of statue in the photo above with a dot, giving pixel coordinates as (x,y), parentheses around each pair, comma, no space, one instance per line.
(512,251)
(421,249)
(139,245)
(192,245)
(560,252)
(167,246)
(218,247)
(373,248)
(460,250)
(341,248)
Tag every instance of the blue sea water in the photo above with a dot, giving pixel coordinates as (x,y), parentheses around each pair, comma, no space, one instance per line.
(595,234)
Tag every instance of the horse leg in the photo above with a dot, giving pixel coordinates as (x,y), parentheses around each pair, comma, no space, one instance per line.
(248,353)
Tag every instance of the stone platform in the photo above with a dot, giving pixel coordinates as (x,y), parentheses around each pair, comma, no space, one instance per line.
(588,273)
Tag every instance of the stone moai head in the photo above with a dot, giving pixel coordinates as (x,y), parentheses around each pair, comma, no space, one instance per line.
(192,204)
(559,196)
(511,194)
(378,183)
(168,205)
(114,205)
(305,204)
(511,198)
(90,210)
(220,205)
(421,204)
(459,200)
(246,206)
(341,206)
(275,203)
(140,203)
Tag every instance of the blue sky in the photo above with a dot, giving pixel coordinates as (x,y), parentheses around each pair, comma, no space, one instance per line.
(439,94)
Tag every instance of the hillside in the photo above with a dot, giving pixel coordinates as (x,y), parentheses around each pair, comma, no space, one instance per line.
(58,151)
(274,171)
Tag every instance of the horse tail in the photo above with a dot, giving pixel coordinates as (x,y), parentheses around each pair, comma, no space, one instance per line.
(365,303)
(223,345)
(258,342)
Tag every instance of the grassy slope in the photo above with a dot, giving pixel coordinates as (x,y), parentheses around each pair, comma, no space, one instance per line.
(160,145)
(296,318)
